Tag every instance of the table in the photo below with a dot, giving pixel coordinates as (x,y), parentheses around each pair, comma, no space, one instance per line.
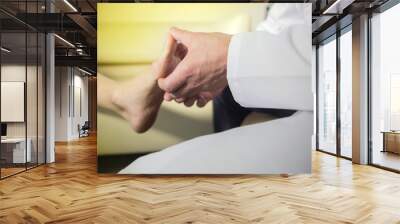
(391,141)
(17,151)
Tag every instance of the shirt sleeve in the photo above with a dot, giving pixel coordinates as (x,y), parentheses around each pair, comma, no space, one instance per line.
(271,68)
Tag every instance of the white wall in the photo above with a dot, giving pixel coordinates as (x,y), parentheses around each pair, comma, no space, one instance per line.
(12,73)
(62,82)
(80,96)
(33,126)
(70,83)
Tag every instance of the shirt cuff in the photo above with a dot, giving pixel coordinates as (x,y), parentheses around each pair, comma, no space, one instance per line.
(233,65)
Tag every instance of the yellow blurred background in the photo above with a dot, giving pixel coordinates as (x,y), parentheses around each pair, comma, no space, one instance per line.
(131,37)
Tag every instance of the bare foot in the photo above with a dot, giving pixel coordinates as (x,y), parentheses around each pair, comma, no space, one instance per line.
(139,101)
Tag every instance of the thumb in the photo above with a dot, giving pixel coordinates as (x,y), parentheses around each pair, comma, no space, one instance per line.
(176,79)
(162,65)
(171,46)
(180,35)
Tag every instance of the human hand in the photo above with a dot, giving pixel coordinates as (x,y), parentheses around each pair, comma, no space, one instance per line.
(173,54)
(138,100)
(201,73)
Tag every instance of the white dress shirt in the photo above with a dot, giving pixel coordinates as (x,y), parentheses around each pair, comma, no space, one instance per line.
(271,67)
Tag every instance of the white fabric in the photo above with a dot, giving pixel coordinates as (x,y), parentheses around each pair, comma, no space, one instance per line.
(266,69)
(271,68)
(273,147)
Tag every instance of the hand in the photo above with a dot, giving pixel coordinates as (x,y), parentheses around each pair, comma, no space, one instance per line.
(172,56)
(201,75)
(138,100)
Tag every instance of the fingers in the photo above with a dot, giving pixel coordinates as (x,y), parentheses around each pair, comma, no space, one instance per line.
(171,46)
(173,51)
(190,102)
(175,84)
(186,91)
(207,96)
(168,96)
(201,102)
(202,99)
(180,35)
(161,66)
(176,79)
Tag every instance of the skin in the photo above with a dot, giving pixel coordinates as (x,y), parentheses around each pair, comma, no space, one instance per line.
(192,69)
(201,75)
(138,100)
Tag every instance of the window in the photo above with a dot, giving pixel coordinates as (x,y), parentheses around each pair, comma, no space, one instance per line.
(395,102)
(22,77)
(327,96)
(385,89)
(346,94)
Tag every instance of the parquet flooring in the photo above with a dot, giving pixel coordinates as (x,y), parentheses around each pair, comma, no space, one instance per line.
(70,191)
(10,171)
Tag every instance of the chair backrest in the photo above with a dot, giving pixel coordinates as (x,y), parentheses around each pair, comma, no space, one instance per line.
(86,125)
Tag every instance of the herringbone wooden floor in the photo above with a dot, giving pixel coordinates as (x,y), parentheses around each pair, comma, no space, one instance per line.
(70,191)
